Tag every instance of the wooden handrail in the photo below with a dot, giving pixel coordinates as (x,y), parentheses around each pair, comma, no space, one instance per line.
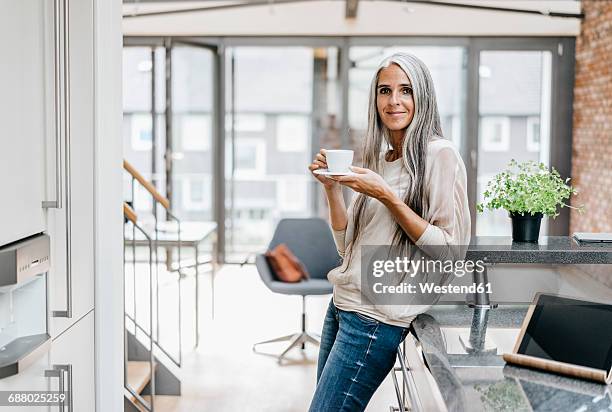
(129,213)
(146,184)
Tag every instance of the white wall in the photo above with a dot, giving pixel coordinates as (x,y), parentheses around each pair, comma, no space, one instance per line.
(108,201)
(320,18)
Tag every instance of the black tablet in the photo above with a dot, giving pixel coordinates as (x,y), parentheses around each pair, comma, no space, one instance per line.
(568,336)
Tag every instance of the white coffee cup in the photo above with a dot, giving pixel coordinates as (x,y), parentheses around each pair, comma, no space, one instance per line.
(338,161)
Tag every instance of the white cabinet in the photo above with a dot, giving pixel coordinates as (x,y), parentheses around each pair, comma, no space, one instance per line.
(33,155)
(22,119)
(31,378)
(74,352)
(77,243)
(47,154)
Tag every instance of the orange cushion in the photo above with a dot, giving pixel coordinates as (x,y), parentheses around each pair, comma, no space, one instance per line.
(286,265)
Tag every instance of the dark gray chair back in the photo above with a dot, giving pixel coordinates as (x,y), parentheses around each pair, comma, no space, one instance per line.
(311,240)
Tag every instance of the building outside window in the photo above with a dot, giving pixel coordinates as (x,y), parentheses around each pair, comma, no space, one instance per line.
(196,130)
(195,192)
(248,122)
(292,193)
(250,157)
(495,132)
(533,134)
(292,133)
(141,131)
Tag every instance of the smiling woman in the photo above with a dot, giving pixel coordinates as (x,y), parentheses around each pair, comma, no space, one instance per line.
(411,191)
(394,102)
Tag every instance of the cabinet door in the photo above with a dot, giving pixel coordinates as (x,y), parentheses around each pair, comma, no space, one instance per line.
(80,203)
(22,116)
(74,351)
(30,379)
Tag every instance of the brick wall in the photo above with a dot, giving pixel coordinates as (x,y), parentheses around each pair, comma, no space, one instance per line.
(592,134)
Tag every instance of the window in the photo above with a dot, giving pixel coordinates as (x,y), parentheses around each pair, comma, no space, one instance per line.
(274,91)
(250,157)
(249,215)
(491,222)
(292,133)
(495,133)
(196,193)
(257,214)
(252,122)
(533,134)
(141,132)
(293,195)
(143,201)
(196,132)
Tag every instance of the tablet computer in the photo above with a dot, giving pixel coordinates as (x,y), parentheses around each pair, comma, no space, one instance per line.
(593,237)
(567,336)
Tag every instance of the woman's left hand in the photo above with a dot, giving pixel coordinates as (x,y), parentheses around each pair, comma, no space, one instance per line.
(365,181)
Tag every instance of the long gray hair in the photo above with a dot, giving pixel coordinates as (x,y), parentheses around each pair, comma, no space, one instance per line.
(424,126)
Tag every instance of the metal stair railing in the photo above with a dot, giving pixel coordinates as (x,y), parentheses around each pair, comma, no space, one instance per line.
(407,395)
(131,216)
(159,199)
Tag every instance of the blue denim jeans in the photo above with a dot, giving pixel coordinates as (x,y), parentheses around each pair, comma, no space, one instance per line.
(356,354)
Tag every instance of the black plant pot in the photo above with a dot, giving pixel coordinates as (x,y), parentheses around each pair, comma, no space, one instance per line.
(525,228)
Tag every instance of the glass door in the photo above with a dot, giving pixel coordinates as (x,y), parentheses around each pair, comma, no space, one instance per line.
(169,118)
(189,154)
(143,121)
(514,109)
(189,172)
(282,104)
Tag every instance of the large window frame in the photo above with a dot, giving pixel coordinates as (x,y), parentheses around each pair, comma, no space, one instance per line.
(560,122)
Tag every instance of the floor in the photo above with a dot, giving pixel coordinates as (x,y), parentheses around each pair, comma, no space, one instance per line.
(224,374)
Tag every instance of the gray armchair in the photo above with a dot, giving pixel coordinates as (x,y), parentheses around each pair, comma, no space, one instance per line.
(313,244)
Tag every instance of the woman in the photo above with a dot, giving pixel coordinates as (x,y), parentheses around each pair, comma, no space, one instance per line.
(411,191)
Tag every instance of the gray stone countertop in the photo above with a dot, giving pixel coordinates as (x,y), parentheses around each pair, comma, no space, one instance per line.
(549,249)
(483,382)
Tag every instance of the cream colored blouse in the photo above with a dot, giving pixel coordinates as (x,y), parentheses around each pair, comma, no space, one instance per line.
(448,215)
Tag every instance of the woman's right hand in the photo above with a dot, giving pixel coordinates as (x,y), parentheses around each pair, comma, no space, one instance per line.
(320,162)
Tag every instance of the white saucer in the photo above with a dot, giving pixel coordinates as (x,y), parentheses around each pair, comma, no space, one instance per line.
(326,172)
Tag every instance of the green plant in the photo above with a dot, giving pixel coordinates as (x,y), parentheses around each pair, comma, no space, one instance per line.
(528,187)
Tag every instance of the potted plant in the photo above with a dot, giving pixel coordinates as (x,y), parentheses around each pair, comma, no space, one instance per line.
(528,191)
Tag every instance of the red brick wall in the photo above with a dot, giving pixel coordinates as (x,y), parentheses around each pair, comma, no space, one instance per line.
(592,134)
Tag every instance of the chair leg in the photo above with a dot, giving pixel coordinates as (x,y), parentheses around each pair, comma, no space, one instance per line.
(303,319)
(297,339)
(312,339)
(281,339)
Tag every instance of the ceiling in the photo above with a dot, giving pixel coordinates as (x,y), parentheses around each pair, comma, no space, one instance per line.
(329,18)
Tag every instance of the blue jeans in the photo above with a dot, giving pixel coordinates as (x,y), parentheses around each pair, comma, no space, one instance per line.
(356,354)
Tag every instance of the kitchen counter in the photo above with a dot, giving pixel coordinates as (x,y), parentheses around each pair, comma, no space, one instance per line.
(463,344)
(472,380)
(549,249)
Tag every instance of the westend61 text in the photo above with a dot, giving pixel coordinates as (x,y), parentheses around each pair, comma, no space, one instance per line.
(413,267)
(432,288)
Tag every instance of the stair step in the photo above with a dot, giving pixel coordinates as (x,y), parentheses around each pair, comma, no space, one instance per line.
(165,403)
(138,375)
